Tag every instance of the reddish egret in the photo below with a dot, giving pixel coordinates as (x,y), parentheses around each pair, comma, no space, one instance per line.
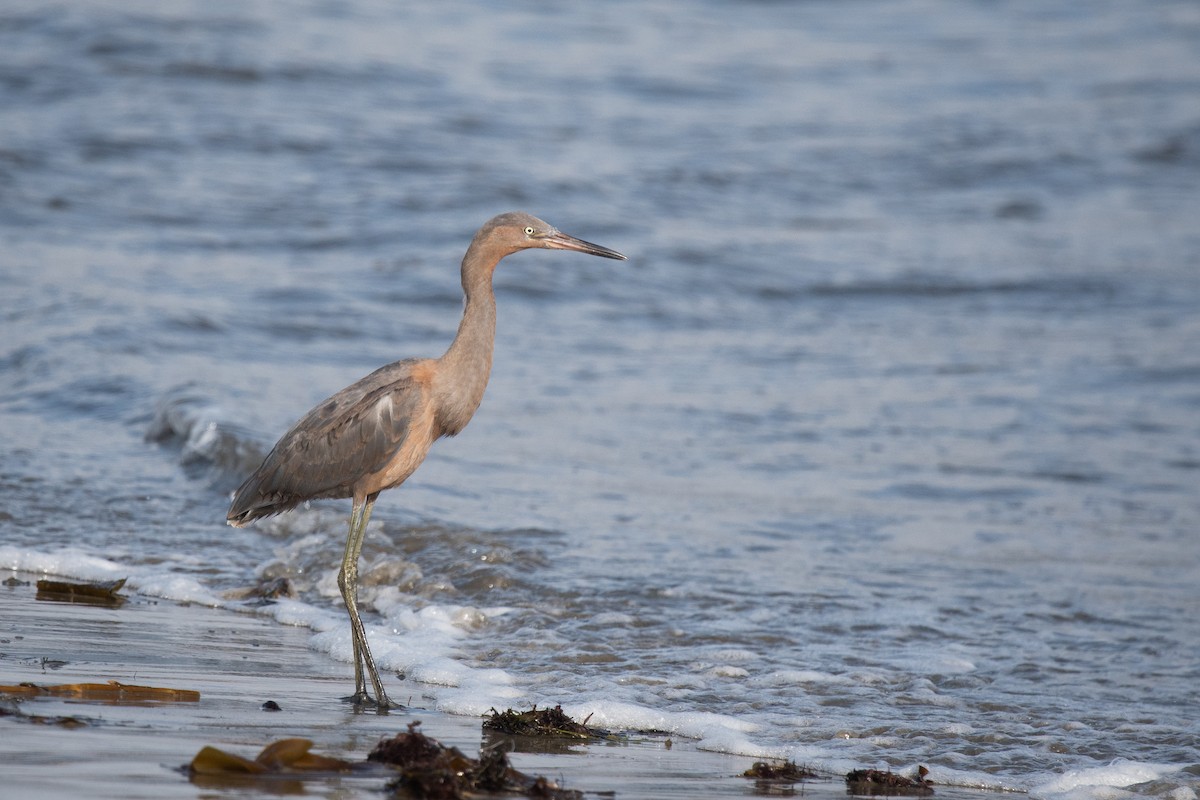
(373,434)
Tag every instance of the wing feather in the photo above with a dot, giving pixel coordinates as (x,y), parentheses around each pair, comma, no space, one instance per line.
(354,433)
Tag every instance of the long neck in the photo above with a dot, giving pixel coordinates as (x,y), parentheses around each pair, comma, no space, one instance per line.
(463,371)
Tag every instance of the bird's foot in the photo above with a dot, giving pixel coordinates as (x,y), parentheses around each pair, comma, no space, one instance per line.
(387,704)
(361,700)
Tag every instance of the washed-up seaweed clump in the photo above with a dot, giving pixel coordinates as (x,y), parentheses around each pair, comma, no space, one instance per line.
(544,722)
(421,768)
(883,782)
(787,772)
(284,757)
(430,770)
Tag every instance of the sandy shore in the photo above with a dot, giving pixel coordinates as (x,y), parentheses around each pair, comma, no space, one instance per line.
(237,662)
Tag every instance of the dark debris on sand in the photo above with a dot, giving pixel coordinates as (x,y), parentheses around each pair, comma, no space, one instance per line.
(429,769)
(94,593)
(265,592)
(881,782)
(787,772)
(14,711)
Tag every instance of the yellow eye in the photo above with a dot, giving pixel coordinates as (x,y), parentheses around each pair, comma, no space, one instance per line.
(529,231)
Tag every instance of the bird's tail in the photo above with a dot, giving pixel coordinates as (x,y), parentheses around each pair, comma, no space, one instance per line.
(242,512)
(253,500)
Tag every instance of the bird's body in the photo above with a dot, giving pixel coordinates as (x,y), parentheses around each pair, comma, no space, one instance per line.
(373,434)
(349,443)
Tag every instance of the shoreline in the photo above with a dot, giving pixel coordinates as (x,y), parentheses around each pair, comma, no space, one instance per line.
(237,662)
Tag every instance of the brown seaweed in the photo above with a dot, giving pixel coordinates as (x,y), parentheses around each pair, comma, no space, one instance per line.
(552,722)
(429,769)
(280,757)
(787,772)
(883,782)
(111,692)
(285,764)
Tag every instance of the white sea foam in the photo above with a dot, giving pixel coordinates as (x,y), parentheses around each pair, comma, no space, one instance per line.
(73,563)
(1102,782)
(726,671)
(67,562)
(703,726)
(936,663)
(790,677)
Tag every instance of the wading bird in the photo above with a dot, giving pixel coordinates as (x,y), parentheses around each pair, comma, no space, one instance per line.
(373,434)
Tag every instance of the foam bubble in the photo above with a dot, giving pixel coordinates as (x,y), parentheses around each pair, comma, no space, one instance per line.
(791,677)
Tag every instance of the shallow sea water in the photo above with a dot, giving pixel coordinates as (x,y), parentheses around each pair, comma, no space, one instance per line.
(882,448)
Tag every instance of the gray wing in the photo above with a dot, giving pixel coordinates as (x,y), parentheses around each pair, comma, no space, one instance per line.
(352,434)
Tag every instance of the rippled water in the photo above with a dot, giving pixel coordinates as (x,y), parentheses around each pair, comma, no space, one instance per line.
(883,447)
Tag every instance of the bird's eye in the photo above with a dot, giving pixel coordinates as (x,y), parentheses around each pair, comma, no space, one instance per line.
(529,231)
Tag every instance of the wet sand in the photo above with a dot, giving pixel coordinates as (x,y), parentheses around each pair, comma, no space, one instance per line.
(237,662)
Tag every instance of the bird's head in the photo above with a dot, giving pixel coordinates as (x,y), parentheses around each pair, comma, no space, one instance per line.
(517,230)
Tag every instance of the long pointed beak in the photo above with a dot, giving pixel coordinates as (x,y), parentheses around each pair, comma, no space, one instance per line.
(561,241)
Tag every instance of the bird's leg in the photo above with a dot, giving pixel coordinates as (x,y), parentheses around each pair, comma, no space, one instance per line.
(381,698)
(348,583)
